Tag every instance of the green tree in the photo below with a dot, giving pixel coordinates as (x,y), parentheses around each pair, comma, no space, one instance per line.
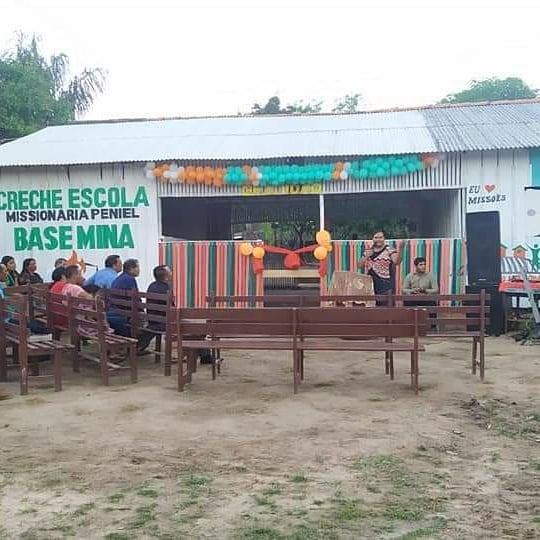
(36,92)
(493,89)
(273,106)
(348,103)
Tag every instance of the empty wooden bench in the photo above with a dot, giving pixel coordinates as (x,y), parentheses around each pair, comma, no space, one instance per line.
(303,329)
(14,331)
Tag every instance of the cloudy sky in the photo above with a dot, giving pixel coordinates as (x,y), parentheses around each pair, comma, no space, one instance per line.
(205,57)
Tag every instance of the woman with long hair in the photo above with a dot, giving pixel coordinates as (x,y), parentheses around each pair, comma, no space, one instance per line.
(12,279)
(29,275)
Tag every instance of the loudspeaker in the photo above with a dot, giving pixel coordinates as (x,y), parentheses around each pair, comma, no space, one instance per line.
(483,248)
(496,308)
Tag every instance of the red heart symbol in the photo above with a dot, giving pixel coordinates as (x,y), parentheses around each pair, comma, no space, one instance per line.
(490,188)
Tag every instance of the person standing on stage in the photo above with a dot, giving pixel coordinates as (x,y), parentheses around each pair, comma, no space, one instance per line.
(380,263)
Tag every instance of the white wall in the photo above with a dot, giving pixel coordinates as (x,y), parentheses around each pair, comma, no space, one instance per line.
(496,181)
(58,237)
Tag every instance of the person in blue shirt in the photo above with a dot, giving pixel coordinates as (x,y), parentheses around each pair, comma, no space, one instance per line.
(104,278)
(119,321)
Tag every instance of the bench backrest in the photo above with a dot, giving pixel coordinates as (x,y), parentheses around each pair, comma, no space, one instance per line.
(57,312)
(87,317)
(14,320)
(365,322)
(292,300)
(224,322)
(303,322)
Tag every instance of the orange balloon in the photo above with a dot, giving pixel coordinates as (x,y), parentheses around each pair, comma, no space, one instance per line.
(199,170)
(320,253)
(218,181)
(323,238)
(246,169)
(258,252)
(157,172)
(164,167)
(339,166)
(252,177)
(335,175)
(199,177)
(182,176)
(329,248)
(246,249)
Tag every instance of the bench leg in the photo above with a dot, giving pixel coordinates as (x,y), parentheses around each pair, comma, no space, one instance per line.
(181,376)
(157,357)
(474,355)
(482,358)
(133,363)
(214,364)
(296,370)
(416,369)
(386,363)
(301,353)
(75,360)
(412,369)
(3,363)
(218,353)
(57,370)
(23,368)
(103,365)
(391,365)
(168,356)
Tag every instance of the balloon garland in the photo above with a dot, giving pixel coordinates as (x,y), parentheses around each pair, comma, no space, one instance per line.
(280,175)
(292,259)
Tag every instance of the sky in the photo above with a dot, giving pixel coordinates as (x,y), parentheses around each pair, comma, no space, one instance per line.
(209,57)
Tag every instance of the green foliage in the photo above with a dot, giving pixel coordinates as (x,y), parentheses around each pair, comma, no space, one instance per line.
(36,92)
(348,103)
(493,89)
(273,106)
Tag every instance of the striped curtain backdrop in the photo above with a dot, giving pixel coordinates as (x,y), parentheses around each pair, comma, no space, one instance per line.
(445,258)
(203,268)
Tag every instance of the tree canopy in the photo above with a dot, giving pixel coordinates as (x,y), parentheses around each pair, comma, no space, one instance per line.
(493,89)
(273,106)
(36,92)
(348,104)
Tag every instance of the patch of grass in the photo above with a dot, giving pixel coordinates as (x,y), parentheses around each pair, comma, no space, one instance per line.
(26,511)
(144,515)
(348,510)
(196,481)
(131,407)
(117,536)
(535,519)
(426,532)
(535,465)
(271,491)
(298,478)
(402,512)
(116,498)
(376,398)
(495,456)
(83,509)
(260,533)
(386,467)
(264,501)
(148,492)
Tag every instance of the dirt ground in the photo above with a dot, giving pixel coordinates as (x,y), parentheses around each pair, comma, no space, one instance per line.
(353,455)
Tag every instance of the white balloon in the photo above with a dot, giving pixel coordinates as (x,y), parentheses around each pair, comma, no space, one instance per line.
(173,175)
(181,169)
(150,165)
(347,165)
(344,175)
(440,157)
(149,175)
(259,176)
(173,167)
(255,169)
(434,163)
(167,174)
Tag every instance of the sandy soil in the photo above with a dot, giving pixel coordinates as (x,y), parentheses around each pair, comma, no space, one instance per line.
(353,455)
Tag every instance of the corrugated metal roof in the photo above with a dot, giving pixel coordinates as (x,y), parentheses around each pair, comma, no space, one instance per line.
(431,129)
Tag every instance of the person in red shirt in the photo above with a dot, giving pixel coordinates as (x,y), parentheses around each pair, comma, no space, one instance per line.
(59,280)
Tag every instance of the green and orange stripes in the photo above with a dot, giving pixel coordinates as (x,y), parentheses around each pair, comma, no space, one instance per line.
(204,268)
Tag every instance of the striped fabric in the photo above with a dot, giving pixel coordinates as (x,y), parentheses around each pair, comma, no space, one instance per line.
(202,268)
(512,266)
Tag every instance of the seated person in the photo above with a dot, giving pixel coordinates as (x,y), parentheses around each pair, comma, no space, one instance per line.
(117,315)
(73,285)
(57,264)
(420,281)
(29,275)
(59,280)
(104,278)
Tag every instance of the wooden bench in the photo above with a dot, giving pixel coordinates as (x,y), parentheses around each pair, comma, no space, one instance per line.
(468,312)
(300,330)
(14,330)
(87,321)
(456,316)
